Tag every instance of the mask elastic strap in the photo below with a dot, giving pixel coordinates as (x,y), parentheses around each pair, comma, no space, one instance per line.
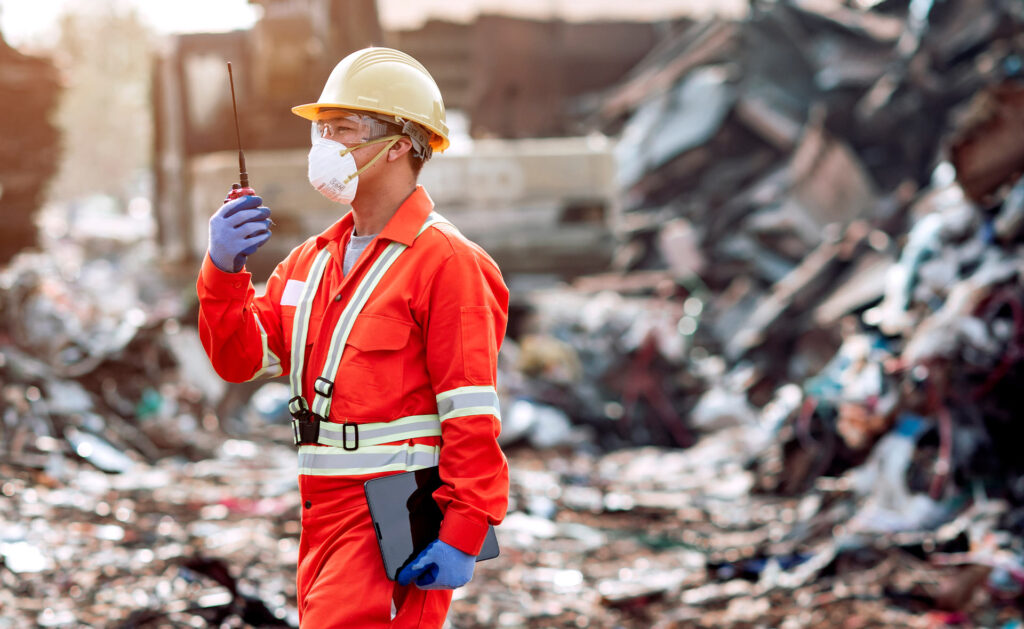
(391,140)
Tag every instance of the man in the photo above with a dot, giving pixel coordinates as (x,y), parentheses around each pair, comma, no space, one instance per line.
(389,323)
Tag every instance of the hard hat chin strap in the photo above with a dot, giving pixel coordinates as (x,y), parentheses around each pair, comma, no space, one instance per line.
(391,140)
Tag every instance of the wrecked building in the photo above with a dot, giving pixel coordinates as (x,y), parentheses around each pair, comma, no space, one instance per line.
(30,150)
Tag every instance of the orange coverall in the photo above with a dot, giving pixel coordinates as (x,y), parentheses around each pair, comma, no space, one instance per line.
(432,327)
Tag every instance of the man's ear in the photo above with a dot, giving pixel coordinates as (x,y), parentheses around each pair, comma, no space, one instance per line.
(401,147)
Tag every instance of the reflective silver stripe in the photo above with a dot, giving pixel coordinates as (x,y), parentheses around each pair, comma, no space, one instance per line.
(328,461)
(468,401)
(330,432)
(322,403)
(334,434)
(301,323)
(270,366)
(432,218)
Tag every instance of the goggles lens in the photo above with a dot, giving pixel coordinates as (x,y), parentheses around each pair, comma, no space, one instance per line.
(348,128)
(341,128)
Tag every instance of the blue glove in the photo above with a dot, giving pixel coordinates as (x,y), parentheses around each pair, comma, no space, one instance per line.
(236,231)
(438,567)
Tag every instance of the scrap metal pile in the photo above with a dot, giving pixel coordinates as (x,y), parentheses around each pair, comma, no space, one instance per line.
(125,503)
(818,294)
(820,276)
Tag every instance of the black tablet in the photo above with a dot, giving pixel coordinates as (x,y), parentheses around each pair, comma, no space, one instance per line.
(407,518)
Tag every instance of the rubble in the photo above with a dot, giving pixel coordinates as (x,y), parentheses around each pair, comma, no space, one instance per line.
(858,270)
(115,511)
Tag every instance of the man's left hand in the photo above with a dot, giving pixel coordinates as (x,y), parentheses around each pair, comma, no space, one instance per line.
(438,567)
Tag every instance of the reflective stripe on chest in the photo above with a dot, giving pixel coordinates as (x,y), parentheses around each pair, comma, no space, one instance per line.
(324,385)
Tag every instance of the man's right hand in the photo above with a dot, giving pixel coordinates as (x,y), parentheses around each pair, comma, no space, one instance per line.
(237,230)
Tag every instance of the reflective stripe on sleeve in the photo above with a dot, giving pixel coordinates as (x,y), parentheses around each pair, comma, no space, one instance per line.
(468,401)
(330,461)
(412,427)
(271,364)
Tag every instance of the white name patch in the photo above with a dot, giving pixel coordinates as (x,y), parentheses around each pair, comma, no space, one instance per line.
(292,292)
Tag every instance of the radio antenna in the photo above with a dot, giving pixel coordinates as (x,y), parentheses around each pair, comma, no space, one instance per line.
(243,177)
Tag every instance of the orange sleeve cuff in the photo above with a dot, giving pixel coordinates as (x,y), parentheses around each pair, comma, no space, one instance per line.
(221,282)
(463,533)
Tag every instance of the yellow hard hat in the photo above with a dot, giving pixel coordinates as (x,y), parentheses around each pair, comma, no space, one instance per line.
(384,81)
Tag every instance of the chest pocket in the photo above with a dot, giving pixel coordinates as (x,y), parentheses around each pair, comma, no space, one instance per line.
(375,360)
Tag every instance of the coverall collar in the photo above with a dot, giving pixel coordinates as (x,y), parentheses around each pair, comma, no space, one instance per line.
(402,227)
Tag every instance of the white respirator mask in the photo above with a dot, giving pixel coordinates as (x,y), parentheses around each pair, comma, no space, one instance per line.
(332,169)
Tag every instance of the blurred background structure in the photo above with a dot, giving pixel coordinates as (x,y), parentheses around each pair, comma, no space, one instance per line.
(766,338)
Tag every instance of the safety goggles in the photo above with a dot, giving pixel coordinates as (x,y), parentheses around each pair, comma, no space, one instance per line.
(354,127)
(348,127)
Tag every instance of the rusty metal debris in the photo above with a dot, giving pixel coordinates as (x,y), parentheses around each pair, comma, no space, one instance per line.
(29,154)
(857,268)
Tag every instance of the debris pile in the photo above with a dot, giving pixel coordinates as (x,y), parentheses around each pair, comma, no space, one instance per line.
(126,501)
(94,361)
(661,538)
(817,195)
(781,159)
(175,543)
(821,272)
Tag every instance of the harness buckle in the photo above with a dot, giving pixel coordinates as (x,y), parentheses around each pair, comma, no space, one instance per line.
(344,436)
(305,423)
(323,386)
